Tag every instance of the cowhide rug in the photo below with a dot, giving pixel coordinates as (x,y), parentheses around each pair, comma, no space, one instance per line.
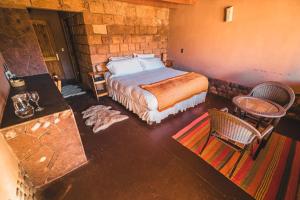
(101,117)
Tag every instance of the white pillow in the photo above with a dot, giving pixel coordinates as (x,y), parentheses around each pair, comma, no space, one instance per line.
(151,63)
(124,67)
(150,55)
(119,58)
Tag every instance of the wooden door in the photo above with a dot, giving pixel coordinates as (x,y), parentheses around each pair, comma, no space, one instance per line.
(47,45)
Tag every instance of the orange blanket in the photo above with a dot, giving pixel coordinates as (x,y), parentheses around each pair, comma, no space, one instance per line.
(170,91)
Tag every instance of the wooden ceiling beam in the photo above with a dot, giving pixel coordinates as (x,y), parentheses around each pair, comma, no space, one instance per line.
(189,2)
(161,3)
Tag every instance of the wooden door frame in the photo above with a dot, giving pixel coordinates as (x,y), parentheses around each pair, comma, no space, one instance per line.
(69,42)
(52,41)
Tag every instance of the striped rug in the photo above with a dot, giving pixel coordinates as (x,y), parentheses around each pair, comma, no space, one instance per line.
(273,175)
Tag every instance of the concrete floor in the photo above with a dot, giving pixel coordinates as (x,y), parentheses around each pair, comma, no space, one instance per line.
(133,160)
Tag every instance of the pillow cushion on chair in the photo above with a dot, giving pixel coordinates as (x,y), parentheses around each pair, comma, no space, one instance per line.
(124,67)
(151,63)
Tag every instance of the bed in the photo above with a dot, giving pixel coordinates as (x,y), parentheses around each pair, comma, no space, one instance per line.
(126,89)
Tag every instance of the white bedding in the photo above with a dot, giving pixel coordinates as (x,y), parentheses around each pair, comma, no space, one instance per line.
(125,89)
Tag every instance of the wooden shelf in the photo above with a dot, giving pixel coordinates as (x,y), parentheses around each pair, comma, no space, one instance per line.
(98,79)
(100,82)
(102,94)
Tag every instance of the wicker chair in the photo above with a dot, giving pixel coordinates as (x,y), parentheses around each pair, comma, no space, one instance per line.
(234,132)
(273,91)
(276,92)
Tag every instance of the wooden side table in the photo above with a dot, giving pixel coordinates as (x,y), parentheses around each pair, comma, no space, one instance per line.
(262,109)
(99,84)
(168,63)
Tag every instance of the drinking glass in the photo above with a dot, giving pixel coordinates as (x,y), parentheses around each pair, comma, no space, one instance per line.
(34,96)
(21,104)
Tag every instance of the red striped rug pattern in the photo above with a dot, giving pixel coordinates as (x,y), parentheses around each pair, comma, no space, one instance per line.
(261,178)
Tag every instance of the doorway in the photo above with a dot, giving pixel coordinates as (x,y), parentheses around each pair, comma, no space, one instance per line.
(55,43)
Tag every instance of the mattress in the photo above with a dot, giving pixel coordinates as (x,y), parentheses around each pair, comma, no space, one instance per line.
(126,90)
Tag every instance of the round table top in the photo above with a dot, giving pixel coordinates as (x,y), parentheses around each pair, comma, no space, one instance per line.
(259,107)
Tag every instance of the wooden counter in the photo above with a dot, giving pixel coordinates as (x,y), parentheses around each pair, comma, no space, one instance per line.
(48,145)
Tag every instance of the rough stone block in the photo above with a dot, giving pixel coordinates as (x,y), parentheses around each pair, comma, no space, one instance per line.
(96,7)
(118,19)
(145,11)
(131,10)
(143,46)
(115,29)
(138,39)
(153,45)
(117,39)
(113,54)
(114,48)
(130,20)
(94,39)
(162,38)
(97,58)
(124,47)
(157,52)
(149,38)
(145,22)
(50,4)
(99,29)
(127,39)
(92,49)
(108,19)
(126,53)
(147,51)
(131,47)
(109,7)
(163,45)
(72,5)
(129,30)
(106,39)
(163,30)
(121,7)
(137,30)
(96,18)
(139,51)
(21,3)
(138,47)
(102,49)
(151,30)
(143,30)
(162,14)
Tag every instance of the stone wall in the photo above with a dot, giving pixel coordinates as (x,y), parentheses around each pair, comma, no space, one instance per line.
(19,44)
(4,89)
(102,28)
(113,28)
(226,89)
